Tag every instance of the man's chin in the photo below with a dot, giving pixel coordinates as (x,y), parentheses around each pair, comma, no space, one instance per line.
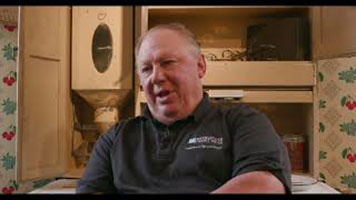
(168,116)
(169,113)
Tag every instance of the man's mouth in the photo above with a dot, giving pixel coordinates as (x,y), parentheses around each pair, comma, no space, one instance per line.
(163,93)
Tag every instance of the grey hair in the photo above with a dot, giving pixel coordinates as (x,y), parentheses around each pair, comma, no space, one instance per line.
(176,27)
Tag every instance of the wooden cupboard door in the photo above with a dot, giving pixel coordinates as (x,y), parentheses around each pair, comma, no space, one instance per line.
(334,30)
(44,92)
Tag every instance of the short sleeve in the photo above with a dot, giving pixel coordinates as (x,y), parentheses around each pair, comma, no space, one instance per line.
(98,176)
(257,146)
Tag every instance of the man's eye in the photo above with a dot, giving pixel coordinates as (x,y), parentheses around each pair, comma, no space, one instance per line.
(146,69)
(167,62)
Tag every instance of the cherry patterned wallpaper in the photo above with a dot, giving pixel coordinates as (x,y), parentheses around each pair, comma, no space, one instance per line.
(337,128)
(8,113)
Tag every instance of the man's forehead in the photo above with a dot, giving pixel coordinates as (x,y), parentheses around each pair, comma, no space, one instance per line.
(161,37)
(159,53)
(159,41)
(162,31)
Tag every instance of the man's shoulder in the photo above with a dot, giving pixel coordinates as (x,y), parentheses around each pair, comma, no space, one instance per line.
(238,113)
(123,124)
(238,109)
(132,121)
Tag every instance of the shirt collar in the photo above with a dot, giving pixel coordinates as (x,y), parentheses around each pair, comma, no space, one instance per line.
(197,115)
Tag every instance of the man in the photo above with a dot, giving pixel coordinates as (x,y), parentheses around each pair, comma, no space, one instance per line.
(182,143)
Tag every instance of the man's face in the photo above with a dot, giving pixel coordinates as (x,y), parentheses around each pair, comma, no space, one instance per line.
(170,75)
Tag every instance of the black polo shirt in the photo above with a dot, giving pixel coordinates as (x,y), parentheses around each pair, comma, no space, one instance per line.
(195,155)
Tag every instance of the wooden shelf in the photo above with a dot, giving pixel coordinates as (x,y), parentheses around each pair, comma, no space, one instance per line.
(236,11)
(265,97)
(260,73)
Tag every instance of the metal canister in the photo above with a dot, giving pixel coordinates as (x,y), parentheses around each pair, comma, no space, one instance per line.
(296,150)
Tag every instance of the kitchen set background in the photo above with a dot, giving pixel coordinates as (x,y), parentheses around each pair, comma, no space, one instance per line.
(337,128)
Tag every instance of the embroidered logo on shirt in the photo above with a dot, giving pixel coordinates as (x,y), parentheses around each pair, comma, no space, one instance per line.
(205,142)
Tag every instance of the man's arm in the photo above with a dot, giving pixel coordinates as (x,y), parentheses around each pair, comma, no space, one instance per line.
(260,159)
(252,182)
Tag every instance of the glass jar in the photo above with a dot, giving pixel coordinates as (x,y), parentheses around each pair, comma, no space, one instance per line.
(296,150)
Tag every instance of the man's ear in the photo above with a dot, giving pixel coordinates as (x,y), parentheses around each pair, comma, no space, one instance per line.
(201,66)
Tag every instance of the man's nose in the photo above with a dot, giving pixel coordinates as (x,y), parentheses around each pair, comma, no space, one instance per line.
(158,75)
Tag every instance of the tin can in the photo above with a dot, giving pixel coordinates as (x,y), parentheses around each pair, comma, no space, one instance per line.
(296,150)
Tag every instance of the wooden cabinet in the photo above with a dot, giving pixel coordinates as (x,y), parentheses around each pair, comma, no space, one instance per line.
(46,113)
(49,52)
(44,92)
(335,30)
